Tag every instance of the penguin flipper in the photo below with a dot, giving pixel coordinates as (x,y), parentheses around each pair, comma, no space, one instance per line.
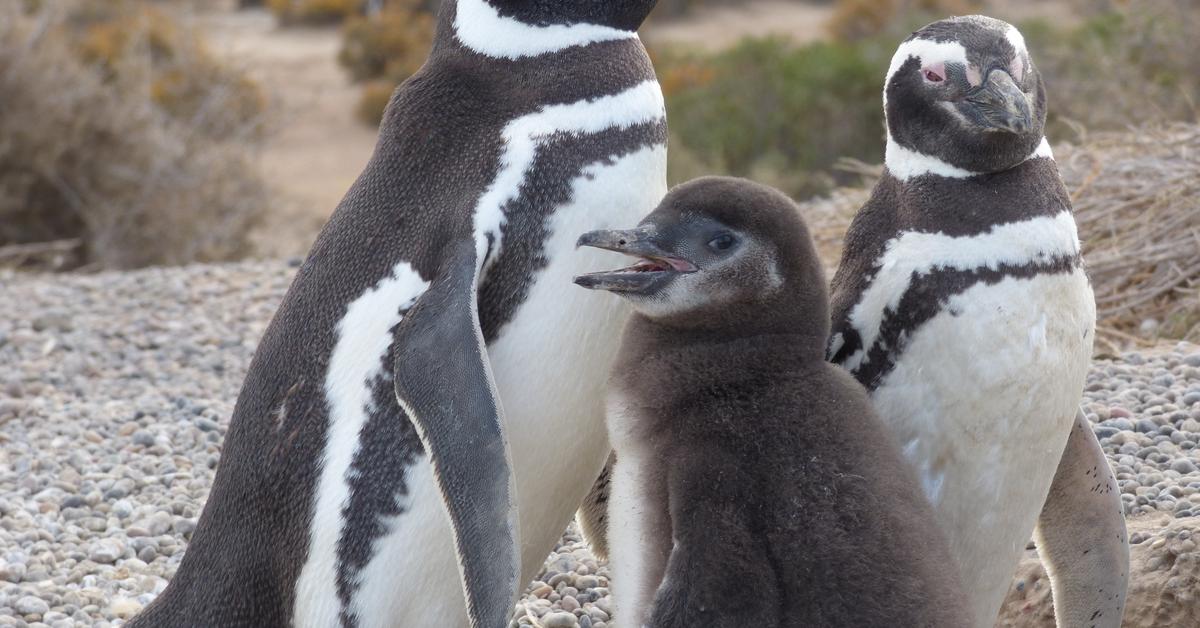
(1081,535)
(444,383)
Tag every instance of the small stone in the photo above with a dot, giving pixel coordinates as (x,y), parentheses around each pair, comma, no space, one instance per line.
(30,605)
(1146,426)
(1192,360)
(560,620)
(1183,465)
(106,551)
(183,526)
(125,607)
(143,438)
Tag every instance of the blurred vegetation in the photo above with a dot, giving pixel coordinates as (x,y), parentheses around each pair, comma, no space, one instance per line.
(315,11)
(774,111)
(384,49)
(123,142)
(1126,65)
(330,12)
(785,113)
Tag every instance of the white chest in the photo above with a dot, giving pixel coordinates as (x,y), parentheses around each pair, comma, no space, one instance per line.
(552,360)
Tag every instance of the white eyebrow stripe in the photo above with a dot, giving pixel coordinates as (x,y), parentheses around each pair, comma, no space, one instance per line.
(928,52)
(1017,40)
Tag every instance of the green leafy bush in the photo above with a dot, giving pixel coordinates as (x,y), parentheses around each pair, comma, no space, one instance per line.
(774,110)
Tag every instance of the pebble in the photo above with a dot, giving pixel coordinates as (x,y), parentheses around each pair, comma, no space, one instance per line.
(30,605)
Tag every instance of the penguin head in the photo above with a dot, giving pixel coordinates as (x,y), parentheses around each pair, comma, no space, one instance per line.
(964,90)
(626,15)
(719,252)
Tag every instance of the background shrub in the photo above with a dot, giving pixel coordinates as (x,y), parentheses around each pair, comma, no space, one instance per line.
(383,50)
(109,155)
(315,12)
(183,77)
(776,111)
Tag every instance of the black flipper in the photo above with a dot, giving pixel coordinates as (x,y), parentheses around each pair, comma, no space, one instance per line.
(444,383)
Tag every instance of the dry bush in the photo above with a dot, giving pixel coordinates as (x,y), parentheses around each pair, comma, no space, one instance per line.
(1135,65)
(91,162)
(385,49)
(858,19)
(390,45)
(1137,198)
(1137,202)
(183,77)
(315,12)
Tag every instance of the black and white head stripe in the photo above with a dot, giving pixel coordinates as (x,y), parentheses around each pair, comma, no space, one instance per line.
(962,97)
(527,28)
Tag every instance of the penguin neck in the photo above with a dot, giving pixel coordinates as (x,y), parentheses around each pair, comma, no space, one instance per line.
(480,27)
(905,163)
(803,341)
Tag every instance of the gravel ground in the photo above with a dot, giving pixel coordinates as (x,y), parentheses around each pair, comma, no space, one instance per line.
(115,391)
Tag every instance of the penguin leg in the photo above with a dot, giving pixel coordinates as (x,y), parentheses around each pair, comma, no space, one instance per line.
(444,383)
(593,513)
(1081,535)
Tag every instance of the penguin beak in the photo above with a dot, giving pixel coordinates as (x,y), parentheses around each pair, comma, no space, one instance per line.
(1002,104)
(655,268)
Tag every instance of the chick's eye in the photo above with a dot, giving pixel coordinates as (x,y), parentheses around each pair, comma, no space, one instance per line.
(722,242)
(933,77)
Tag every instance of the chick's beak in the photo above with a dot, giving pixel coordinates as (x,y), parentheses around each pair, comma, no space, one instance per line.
(655,266)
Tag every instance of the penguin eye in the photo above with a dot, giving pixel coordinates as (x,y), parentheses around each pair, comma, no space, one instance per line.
(722,242)
(935,73)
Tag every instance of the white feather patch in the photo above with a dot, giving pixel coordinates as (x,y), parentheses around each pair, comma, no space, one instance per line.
(928,52)
(637,105)
(480,27)
(1017,40)
(363,337)
(905,163)
(915,254)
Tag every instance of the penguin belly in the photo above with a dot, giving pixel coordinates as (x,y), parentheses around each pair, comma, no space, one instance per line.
(982,400)
(550,363)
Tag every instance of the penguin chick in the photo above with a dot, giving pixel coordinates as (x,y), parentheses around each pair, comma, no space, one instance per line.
(744,461)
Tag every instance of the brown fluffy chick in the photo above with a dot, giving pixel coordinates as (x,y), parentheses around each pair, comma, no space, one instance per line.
(754,484)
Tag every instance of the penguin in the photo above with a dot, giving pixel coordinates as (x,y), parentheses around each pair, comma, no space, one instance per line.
(962,304)
(425,411)
(744,460)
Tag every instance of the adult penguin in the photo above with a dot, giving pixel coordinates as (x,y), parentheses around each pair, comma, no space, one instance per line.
(962,304)
(425,411)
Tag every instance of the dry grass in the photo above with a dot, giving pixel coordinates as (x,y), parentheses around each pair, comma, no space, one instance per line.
(1137,202)
(96,171)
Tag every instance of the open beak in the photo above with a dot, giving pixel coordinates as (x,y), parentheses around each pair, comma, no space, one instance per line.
(1002,103)
(654,267)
